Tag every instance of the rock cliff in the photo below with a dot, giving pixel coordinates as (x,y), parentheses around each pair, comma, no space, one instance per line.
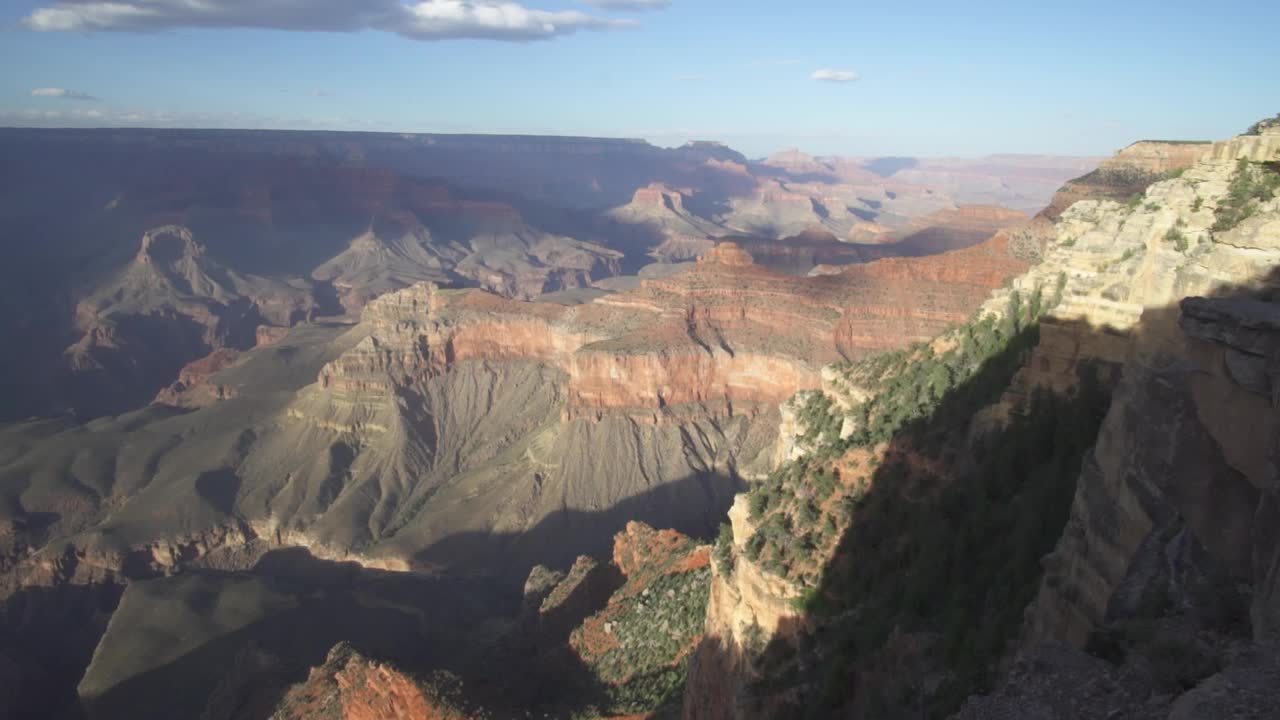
(350,686)
(1169,520)
(171,305)
(1128,173)
(1183,365)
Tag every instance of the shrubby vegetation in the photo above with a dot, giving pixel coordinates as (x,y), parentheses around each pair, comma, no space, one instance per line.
(639,646)
(1258,127)
(896,546)
(723,551)
(1176,236)
(965,561)
(1252,183)
(1122,176)
(792,509)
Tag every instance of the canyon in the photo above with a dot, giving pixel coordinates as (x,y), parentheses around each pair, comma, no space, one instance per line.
(282,375)
(265,230)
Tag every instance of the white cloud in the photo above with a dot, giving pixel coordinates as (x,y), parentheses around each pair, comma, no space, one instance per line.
(420,19)
(63,93)
(321,93)
(444,19)
(630,4)
(690,78)
(836,76)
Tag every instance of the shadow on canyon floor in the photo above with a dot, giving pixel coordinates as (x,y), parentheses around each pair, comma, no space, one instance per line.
(694,505)
(47,637)
(924,595)
(229,643)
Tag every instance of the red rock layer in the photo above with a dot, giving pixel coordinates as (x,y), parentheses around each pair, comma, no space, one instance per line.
(192,385)
(352,687)
(725,331)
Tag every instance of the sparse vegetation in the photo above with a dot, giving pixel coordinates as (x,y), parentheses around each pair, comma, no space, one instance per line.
(973,548)
(1251,184)
(792,509)
(972,541)
(1177,237)
(1263,124)
(638,645)
(723,552)
(1121,177)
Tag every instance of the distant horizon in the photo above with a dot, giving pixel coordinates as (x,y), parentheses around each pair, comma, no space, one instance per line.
(932,79)
(648,141)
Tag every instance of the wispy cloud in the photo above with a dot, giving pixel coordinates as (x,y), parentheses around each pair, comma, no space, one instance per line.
(834,76)
(63,93)
(690,78)
(420,19)
(630,4)
(321,93)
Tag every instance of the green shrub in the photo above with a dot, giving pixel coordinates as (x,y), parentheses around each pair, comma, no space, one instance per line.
(1258,127)
(759,501)
(1178,238)
(723,551)
(1250,184)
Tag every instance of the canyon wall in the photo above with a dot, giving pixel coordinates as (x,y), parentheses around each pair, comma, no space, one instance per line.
(1128,172)
(1169,443)
(1180,486)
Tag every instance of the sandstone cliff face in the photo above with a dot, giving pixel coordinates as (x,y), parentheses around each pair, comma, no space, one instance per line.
(1127,172)
(1169,443)
(1157,157)
(1184,469)
(748,607)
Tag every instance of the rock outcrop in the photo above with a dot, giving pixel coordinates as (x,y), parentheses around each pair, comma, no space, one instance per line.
(658,223)
(1183,365)
(1168,551)
(1173,507)
(748,607)
(171,305)
(1127,173)
(350,686)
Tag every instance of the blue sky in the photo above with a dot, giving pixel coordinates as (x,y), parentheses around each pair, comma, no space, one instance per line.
(932,78)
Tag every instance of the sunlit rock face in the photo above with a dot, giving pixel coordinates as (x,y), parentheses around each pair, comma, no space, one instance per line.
(1177,312)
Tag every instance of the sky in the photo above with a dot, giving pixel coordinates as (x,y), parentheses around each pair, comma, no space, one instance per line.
(831,78)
